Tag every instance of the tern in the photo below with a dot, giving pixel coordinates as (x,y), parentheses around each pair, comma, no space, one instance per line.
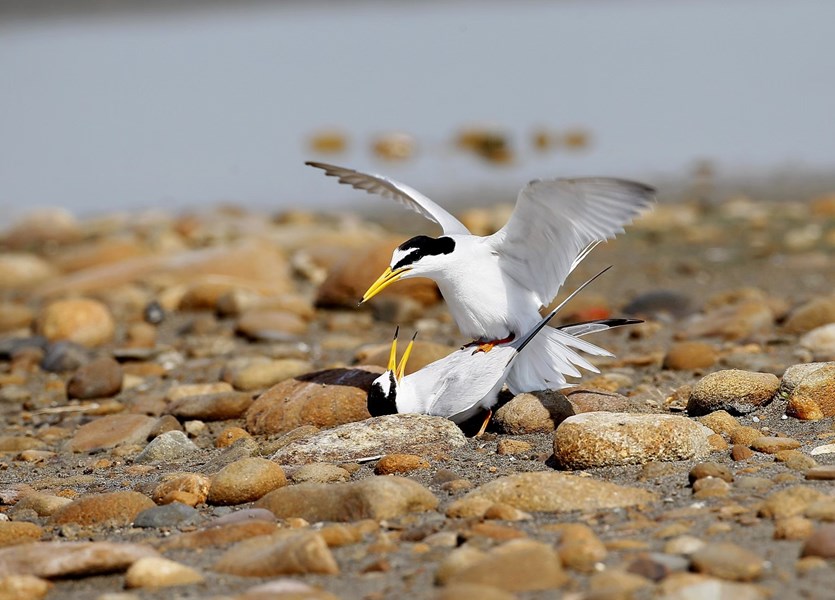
(496,285)
(466,381)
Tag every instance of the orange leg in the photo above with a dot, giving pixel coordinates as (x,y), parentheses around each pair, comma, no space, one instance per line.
(484,424)
(486,346)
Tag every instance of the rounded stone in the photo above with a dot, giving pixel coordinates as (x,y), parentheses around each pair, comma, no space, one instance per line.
(820,342)
(187,488)
(115,508)
(268,556)
(710,469)
(821,542)
(609,439)
(168,447)
(738,392)
(816,389)
(100,378)
(112,430)
(323,399)
(18,532)
(82,320)
(251,374)
(245,480)
(320,473)
(23,587)
(211,407)
(815,313)
(21,269)
(727,561)
(229,436)
(397,464)
(168,515)
(690,355)
(156,572)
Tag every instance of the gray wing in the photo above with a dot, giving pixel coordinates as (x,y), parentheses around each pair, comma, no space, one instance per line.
(394,190)
(556,219)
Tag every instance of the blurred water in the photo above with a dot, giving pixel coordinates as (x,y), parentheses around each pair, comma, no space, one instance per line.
(195,107)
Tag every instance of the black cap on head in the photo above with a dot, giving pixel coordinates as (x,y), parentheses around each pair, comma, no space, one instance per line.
(421,246)
(379,402)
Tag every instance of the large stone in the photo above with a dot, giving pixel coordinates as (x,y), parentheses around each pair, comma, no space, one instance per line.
(557,492)
(515,566)
(245,480)
(100,378)
(157,572)
(542,412)
(378,498)
(110,431)
(821,542)
(324,399)
(296,553)
(727,561)
(188,488)
(820,342)
(609,439)
(19,270)
(815,313)
(690,355)
(23,587)
(211,407)
(82,320)
(18,532)
(70,559)
(114,508)
(740,321)
(256,374)
(738,392)
(789,502)
(423,435)
(167,447)
(816,389)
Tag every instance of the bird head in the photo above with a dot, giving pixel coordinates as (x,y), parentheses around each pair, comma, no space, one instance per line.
(382,396)
(421,256)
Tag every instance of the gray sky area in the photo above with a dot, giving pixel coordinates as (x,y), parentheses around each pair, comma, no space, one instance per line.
(146,108)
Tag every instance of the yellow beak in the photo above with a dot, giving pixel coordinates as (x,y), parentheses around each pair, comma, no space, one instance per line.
(393,354)
(401,370)
(386,279)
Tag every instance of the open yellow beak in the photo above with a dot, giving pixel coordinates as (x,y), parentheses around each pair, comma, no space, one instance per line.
(401,370)
(386,279)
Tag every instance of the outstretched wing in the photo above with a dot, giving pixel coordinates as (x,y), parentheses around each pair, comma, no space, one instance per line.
(394,190)
(555,220)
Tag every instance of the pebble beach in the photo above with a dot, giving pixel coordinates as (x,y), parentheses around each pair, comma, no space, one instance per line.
(183,402)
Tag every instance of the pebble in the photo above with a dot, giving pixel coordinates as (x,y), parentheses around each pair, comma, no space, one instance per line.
(710,469)
(741,321)
(171,446)
(789,502)
(374,498)
(515,566)
(271,325)
(157,572)
(23,587)
(18,532)
(793,528)
(684,356)
(794,374)
(45,505)
(684,545)
(551,492)
(245,480)
(610,439)
(472,591)
(542,412)
(70,559)
(815,313)
(821,510)
(167,516)
(727,561)
(211,407)
(507,446)
(720,421)
(115,508)
(22,269)
(618,583)
(815,390)
(740,452)
(100,378)
(256,374)
(229,436)
(285,589)
(178,392)
(190,489)
(687,586)
(398,433)
(738,392)
(112,430)
(822,473)
(218,536)
(745,435)
(771,445)
(81,320)
(821,542)
(820,342)
(281,554)
(398,464)
(579,548)
(323,399)
(64,356)
(319,473)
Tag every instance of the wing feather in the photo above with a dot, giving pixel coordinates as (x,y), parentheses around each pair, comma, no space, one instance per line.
(555,220)
(394,190)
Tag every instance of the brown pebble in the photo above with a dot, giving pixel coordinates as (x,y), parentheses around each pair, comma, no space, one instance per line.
(727,561)
(793,528)
(795,460)
(116,508)
(822,473)
(229,436)
(245,480)
(99,378)
(740,452)
(690,355)
(710,469)
(821,542)
(395,464)
(772,445)
(508,446)
(745,435)
(18,532)
(189,488)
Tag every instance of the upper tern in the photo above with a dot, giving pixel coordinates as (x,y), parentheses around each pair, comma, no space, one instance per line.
(466,381)
(496,285)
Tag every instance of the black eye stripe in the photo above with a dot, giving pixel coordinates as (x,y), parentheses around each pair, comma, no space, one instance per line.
(422,246)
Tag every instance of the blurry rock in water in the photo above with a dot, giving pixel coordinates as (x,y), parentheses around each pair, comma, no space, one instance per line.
(489,143)
(577,139)
(328,141)
(394,146)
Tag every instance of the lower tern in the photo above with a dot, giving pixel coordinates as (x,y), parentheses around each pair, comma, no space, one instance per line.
(463,383)
(496,285)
